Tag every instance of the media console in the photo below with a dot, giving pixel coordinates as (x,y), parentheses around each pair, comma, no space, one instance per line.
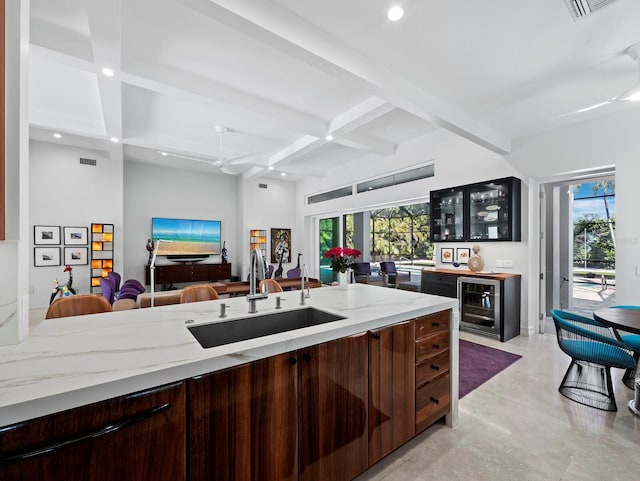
(200,272)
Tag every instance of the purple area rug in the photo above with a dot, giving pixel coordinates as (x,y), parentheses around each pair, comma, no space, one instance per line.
(480,363)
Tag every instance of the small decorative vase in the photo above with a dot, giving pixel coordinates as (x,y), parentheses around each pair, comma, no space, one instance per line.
(476,262)
(343,279)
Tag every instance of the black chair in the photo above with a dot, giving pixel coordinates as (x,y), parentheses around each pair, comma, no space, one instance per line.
(593,353)
(363,274)
(392,276)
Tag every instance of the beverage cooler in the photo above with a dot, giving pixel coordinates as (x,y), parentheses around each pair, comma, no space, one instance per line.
(479,304)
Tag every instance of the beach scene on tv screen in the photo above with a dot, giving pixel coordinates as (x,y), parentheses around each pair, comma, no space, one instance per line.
(186,236)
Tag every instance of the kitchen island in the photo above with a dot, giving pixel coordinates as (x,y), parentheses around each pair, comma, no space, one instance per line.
(74,362)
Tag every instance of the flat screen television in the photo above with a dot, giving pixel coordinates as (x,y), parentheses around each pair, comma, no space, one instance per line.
(186,238)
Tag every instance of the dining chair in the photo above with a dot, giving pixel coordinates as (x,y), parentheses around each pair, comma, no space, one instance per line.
(197,293)
(269,285)
(108,289)
(116,278)
(633,341)
(78,305)
(295,272)
(392,276)
(593,353)
(135,284)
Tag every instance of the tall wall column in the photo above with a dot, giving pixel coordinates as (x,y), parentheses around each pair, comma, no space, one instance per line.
(14,253)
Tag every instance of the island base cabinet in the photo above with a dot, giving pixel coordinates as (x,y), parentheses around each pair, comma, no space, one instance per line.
(333,410)
(141,436)
(243,422)
(391,388)
(432,402)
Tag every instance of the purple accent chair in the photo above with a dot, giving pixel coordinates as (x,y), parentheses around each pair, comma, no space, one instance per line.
(107,288)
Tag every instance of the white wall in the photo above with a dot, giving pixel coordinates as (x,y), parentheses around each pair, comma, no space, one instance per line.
(607,140)
(152,191)
(272,208)
(65,193)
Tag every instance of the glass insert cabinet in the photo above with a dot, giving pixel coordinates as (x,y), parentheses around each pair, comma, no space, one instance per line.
(484,211)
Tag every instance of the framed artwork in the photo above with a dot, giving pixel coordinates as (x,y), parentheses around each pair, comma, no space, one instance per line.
(75,256)
(463,254)
(46,234)
(46,256)
(280,246)
(76,236)
(446,255)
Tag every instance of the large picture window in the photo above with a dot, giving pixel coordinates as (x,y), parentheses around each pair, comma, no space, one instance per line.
(401,234)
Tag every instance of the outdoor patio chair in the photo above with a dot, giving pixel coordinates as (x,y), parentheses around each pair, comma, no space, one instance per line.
(392,276)
(593,353)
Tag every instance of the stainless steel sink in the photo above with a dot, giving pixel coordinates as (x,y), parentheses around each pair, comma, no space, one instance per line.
(219,333)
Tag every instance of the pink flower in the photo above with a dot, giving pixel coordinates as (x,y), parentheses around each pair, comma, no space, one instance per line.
(341,257)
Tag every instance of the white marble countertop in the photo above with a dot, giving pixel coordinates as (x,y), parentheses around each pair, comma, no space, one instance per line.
(70,362)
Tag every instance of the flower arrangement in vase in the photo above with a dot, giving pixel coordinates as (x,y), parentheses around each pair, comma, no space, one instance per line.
(342,258)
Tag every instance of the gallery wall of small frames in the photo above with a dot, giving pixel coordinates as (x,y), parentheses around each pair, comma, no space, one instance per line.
(54,245)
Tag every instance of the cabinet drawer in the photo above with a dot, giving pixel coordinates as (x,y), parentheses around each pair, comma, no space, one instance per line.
(432,346)
(432,323)
(432,402)
(432,368)
(439,284)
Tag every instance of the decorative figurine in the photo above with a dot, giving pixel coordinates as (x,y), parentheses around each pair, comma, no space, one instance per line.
(64,289)
(150,249)
(225,255)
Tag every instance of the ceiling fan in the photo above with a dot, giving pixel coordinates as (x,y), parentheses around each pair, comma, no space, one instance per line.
(630,95)
(225,164)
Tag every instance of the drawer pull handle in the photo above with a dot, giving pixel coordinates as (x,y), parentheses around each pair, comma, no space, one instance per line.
(292,360)
(306,356)
(434,400)
(434,367)
(436,346)
(375,336)
(110,428)
(436,324)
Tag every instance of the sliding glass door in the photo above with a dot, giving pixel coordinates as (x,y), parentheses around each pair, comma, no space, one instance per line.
(329,236)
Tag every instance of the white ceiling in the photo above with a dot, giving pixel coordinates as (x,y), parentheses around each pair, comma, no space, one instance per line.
(281,74)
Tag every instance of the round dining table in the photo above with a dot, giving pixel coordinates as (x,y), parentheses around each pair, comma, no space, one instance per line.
(625,320)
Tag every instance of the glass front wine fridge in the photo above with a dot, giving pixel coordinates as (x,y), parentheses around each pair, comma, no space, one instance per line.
(479,304)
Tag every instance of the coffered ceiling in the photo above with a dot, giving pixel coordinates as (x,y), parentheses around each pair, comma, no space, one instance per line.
(280,75)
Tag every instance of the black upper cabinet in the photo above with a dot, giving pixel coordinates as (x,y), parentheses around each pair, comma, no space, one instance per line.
(447,214)
(485,211)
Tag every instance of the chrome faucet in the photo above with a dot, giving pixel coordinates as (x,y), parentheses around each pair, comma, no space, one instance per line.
(256,264)
(304,295)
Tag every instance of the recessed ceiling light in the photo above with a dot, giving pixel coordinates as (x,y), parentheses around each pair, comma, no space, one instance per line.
(271,167)
(395,13)
(114,139)
(108,72)
(329,137)
(164,154)
(57,135)
(283,174)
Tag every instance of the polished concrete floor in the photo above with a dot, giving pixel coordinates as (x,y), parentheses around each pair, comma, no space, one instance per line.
(518,427)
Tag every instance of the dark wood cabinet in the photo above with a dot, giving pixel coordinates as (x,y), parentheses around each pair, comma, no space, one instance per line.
(243,422)
(293,416)
(484,211)
(333,409)
(504,313)
(130,438)
(391,388)
(432,368)
(175,274)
